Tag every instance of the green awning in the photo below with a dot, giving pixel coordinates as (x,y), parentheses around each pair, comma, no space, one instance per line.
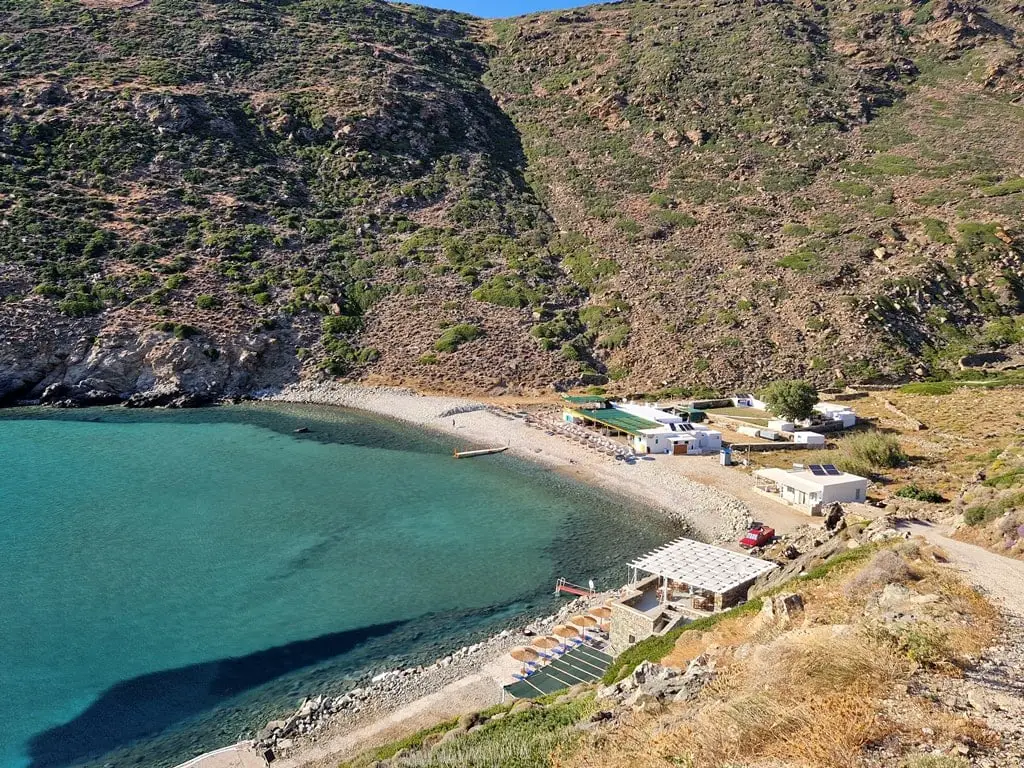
(585,399)
(616,419)
(580,665)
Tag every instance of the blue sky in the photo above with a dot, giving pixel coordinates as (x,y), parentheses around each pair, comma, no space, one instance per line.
(500,8)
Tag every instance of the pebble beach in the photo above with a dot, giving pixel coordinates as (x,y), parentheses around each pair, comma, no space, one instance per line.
(394,703)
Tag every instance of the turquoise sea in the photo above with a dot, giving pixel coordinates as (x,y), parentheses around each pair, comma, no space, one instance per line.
(169,581)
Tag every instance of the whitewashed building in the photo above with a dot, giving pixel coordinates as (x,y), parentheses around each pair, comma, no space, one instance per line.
(809,488)
(681,439)
(806,437)
(836,412)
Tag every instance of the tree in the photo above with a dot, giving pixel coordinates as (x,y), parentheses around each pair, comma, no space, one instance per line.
(790,399)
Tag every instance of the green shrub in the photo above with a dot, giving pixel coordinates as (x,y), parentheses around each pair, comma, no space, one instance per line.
(507,291)
(879,450)
(206,301)
(802,260)
(1009,479)
(628,226)
(913,491)
(456,336)
(790,399)
(928,388)
(674,218)
(1005,188)
(80,305)
(979,514)
(339,325)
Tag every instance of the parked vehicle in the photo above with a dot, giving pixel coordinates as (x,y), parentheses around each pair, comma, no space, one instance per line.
(757,536)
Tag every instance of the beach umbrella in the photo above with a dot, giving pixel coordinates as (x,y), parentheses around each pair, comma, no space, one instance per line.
(546,643)
(602,612)
(583,621)
(522,653)
(564,630)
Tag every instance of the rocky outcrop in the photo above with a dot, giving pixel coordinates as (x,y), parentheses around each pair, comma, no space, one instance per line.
(152,369)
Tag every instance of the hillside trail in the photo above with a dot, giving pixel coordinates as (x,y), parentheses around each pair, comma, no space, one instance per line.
(994,687)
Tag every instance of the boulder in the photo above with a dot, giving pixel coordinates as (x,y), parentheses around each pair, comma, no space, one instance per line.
(782,609)
(834,517)
(522,706)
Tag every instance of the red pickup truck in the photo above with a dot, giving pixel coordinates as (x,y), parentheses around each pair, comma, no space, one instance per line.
(757,536)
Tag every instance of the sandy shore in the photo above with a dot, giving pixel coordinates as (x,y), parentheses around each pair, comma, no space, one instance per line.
(716,502)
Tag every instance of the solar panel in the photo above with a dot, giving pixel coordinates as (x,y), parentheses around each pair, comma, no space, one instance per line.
(830,469)
(817,469)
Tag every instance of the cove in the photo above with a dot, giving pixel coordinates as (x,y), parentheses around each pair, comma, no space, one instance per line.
(171,580)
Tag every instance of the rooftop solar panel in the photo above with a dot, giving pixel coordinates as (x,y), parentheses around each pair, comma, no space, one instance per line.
(830,469)
(817,469)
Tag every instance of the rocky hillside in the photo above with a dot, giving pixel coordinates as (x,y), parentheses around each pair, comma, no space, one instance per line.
(879,657)
(219,197)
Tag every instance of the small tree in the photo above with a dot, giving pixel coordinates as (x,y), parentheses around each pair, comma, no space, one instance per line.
(790,399)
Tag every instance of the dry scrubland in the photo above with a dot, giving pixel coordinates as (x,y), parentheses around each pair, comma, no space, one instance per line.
(224,197)
(857,676)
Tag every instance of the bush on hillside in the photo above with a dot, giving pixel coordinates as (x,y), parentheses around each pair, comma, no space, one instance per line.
(456,336)
(877,449)
(914,491)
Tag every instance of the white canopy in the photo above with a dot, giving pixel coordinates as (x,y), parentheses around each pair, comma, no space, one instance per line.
(703,566)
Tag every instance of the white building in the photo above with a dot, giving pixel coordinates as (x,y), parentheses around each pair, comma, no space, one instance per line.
(681,439)
(806,437)
(836,412)
(811,487)
(650,413)
(749,401)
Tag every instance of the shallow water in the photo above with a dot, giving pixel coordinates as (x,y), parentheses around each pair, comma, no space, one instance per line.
(170,580)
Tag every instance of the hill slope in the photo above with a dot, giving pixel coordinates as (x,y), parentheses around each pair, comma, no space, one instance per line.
(219,197)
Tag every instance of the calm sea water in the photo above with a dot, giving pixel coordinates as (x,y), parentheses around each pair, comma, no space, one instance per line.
(171,580)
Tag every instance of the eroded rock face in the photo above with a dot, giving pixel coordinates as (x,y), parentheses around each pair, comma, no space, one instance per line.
(150,369)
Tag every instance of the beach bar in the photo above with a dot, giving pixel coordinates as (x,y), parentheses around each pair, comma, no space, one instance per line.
(677,583)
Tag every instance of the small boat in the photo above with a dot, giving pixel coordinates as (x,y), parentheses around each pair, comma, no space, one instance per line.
(479,452)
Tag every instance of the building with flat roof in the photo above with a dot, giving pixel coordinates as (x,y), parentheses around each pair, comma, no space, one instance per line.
(677,583)
(649,430)
(810,488)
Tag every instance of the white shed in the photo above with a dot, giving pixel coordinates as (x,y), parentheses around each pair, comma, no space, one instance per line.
(805,437)
(835,412)
(811,487)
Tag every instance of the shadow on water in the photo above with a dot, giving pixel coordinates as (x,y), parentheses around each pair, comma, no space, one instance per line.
(147,705)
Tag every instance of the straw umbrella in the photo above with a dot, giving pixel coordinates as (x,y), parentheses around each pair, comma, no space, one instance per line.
(603,614)
(523,653)
(546,643)
(565,631)
(585,622)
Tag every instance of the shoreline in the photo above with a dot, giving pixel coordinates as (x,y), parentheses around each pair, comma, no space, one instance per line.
(402,701)
(713,513)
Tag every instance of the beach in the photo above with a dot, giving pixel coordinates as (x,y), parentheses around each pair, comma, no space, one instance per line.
(714,503)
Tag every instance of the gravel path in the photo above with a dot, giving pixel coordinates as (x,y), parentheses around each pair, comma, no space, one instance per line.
(1001,578)
(994,688)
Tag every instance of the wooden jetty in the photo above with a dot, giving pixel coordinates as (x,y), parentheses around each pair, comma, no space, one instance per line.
(479,452)
(572,589)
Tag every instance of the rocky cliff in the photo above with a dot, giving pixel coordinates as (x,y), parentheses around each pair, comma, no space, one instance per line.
(216,198)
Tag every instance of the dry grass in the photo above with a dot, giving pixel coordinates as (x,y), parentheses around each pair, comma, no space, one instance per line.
(964,429)
(886,567)
(813,696)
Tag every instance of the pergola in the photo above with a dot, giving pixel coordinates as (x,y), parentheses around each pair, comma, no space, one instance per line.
(700,566)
